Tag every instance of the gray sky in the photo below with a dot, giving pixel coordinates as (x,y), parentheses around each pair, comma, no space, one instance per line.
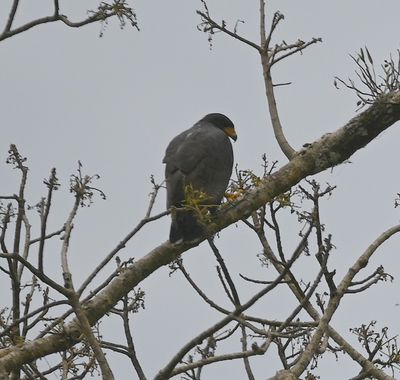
(115,102)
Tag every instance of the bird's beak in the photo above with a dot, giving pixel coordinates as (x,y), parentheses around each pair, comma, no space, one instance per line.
(230,131)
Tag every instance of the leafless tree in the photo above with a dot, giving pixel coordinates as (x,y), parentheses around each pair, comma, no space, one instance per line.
(67,321)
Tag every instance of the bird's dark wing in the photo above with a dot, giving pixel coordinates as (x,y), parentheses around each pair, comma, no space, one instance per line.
(186,150)
(201,156)
(179,162)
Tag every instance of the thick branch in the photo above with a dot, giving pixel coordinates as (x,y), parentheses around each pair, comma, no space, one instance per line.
(91,339)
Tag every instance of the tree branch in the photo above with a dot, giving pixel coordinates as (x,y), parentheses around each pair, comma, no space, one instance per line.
(90,338)
(216,359)
(52,185)
(131,347)
(273,109)
(11,16)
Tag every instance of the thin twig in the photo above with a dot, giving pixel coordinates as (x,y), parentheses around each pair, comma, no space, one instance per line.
(49,236)
(263,282)
(104,12)
(297,47)
(226,273)
(199,291)
(25,252)
(120,246)
(214,25)
(216,359)
(47,280)
(131,347)
(11,16)
(27,304)
(263,38)
(6,220)
(44,214)
(246,360)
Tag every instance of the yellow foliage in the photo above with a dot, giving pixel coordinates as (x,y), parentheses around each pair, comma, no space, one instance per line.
(284,199)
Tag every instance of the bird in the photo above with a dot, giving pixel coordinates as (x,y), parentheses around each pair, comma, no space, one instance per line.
(199,160)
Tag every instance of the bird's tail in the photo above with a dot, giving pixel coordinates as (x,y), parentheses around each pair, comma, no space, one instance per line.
(186,226)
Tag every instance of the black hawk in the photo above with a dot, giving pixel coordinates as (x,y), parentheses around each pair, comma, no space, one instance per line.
(199,159)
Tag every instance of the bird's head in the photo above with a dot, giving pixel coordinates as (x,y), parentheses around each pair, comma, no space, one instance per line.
(222,122)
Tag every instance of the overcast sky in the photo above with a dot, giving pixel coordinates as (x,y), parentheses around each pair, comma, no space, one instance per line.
(115,102)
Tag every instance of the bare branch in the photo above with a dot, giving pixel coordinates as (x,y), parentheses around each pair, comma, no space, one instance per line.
(11,16)
(257,281)
(36,272)
(334,302)
(25,252)
(120,246)
(64,250)
(7,214)
(153,196)
(277,18)
(263,38)
(215,359)
(209,25)
(246,360)
(52,184)
(49,236)
(232,289)
(91,339)
(294,48)
(268,59)
(56,8)
(41,309)
(131,346)
(105,11)
(198,290)
(378,275)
